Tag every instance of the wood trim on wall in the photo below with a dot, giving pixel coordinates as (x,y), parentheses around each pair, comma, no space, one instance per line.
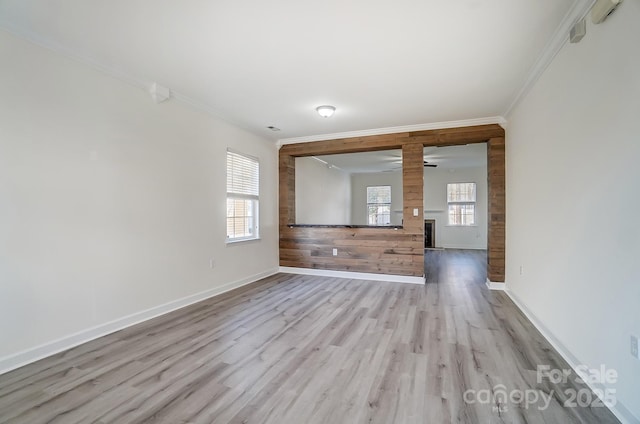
(386,250)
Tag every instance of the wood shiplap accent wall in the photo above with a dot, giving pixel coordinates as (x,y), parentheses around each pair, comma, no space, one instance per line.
(380,250)
(497,209)
(375,250)
(396,251)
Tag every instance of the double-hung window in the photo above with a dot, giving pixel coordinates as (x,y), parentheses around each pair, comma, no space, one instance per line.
(461,201)
(243,195)
(379,205)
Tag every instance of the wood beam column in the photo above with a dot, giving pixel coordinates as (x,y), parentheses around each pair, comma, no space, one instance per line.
(287,189)
(413,198)
(497,209)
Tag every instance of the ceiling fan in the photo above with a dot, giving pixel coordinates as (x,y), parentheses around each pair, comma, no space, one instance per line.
(398,160)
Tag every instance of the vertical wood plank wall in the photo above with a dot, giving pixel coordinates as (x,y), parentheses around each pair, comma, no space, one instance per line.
(497,206)
(384,250)
(287,192)
(412,195)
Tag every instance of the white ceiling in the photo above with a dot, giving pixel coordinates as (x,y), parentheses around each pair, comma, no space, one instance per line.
(450,157)
(260,63)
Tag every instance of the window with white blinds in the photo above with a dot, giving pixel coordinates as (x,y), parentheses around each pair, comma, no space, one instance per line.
(243,195)
(379,205)
(461,201)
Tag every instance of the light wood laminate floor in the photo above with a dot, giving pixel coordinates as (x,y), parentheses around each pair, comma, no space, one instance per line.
(301,349)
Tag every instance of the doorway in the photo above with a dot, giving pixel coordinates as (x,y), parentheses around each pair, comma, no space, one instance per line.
(429,233)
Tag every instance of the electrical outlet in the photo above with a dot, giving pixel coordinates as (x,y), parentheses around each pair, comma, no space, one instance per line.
(415,211)
(212,263)
(521,269)
(634,346)
(335,252)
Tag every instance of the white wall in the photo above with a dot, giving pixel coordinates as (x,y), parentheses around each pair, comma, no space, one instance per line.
(110,204)
(435,206)
(323,195)
(573,199)
(359,184)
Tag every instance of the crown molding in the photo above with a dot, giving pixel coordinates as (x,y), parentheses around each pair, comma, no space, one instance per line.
(146,85)
(578,10)
(51,45)
(112,71)
(391,130)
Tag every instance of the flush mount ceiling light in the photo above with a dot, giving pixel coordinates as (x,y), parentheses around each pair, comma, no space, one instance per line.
(325,111)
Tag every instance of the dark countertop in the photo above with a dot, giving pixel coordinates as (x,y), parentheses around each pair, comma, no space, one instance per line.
(395,227)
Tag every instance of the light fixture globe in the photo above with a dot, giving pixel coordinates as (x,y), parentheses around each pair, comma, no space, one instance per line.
(325,111)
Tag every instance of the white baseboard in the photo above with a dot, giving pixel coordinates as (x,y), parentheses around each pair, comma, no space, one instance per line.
(353,275)
(36,353)
(492,285)
(619,410)
(458,247)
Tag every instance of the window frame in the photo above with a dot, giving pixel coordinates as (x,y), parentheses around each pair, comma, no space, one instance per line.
(253,199)
(379,204)
(462,203)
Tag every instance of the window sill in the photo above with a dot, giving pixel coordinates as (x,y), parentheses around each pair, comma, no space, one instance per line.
(231,242)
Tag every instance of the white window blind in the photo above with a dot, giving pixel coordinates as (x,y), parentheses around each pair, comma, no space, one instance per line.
(243,177)
(461,192)
(243,193)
